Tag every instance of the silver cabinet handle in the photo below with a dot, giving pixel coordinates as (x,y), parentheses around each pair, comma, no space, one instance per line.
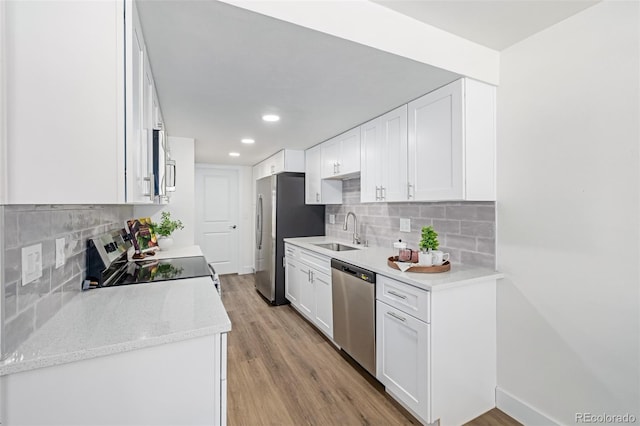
(397,294)
(171,171)
(317,197)
(383,193)
(377,196)
(312,277)
(273,169)
(151,183)
(338,164)
(409,186)
(284,262)
(398,317)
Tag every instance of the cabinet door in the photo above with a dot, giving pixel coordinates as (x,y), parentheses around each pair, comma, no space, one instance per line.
(393,155)
(349,159)
(317,190)
(292,282)
(370,161)
(435,145)
(402,352)
(306,300)
(330,154)
(324,302)
(312,165)
(139,180)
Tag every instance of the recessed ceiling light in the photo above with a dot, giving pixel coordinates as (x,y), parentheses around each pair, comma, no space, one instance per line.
(270,117)
(234,154)
(247,141)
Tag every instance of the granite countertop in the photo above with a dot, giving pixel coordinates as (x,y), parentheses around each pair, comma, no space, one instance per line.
(375,259)
(112,320)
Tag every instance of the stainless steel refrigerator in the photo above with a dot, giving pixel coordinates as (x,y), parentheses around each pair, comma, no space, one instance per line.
(281,213)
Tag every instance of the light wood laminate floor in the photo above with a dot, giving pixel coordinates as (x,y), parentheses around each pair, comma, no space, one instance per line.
(281,371)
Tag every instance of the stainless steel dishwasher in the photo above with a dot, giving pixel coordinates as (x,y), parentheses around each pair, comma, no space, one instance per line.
(354,313)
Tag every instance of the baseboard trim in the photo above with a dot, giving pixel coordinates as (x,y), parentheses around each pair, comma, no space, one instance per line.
(521,411)
(244,270)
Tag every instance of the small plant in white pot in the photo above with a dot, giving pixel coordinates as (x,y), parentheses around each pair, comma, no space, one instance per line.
(164,229)
(428,242)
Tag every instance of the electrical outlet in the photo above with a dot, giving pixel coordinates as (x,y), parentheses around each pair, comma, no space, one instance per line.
(60,258)
(332,219)
(31,263)
(405,225)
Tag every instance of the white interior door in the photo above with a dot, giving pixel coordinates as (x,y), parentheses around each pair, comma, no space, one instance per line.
(217,217)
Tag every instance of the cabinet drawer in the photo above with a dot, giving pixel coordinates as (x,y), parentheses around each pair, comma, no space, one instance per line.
(408,299)
(291,252)
(317,261)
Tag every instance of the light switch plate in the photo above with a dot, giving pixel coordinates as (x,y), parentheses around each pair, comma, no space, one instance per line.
(332,219)
(60,258)
(405,225)
(31,263)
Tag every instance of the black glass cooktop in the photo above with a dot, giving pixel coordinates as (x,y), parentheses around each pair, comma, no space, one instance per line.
(150,270)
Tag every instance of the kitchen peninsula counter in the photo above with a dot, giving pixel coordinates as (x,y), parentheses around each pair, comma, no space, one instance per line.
(112,320)
(375,259)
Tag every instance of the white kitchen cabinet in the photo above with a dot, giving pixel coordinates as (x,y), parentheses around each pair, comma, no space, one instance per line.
(402,346)
(451,143)
(306,304)
(436,350)
(341,155)
(383,158)
(323,301)
(182,382)
(309,274)
(74,136)
(286,160)
(318,190)
(291,275)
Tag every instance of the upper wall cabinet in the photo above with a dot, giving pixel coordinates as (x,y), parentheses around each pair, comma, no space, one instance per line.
(341,155)
(383,157)
(316,189)
(451,143)
(286,160)
(73,135)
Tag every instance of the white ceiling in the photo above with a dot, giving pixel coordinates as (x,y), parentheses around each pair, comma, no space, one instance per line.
(218,68)
(496,24)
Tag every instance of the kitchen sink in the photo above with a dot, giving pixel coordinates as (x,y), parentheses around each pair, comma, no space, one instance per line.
(336,247)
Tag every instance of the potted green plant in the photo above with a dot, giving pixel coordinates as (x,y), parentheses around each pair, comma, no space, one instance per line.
(164,229)
(428,242)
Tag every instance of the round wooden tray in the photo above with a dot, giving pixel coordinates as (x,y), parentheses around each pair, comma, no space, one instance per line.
(446,266)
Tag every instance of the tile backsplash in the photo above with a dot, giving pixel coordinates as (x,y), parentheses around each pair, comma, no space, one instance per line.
(26,308)
(465,229)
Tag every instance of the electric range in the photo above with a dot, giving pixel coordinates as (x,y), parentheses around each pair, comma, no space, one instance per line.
(108,266)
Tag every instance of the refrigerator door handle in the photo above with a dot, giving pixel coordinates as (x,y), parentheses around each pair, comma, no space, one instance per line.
(259,223)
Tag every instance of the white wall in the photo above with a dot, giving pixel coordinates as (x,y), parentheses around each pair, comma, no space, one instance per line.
(568,218)
(182,204)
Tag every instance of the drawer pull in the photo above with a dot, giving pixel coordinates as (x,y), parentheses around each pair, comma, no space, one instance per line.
(401,296)
(398,317)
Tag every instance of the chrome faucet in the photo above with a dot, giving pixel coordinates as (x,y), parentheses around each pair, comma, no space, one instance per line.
(356,237)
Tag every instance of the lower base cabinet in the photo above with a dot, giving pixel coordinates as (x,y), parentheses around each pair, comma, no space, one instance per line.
(182,383)
(436,350)
(308,286)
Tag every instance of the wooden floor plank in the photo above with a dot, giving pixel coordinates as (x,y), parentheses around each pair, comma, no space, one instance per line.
(281,371)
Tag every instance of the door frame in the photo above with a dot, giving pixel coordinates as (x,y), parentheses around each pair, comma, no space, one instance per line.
(213,167)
